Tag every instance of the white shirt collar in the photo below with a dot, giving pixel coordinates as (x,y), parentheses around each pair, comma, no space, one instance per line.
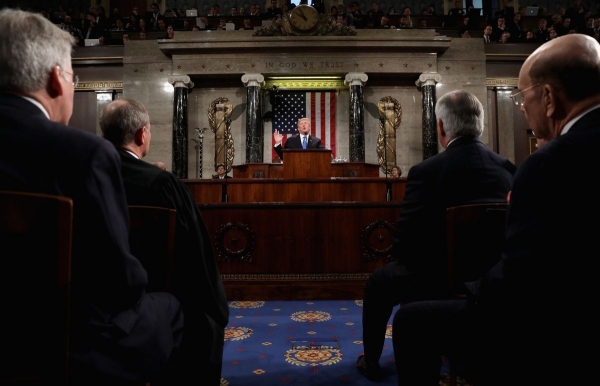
(132,153)
(452,140)
(570,124)
(38,104)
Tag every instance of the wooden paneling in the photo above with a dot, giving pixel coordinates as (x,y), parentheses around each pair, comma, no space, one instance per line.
(242,190)
(270,251)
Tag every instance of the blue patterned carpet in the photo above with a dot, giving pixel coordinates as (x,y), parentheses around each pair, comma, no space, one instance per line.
(298,343)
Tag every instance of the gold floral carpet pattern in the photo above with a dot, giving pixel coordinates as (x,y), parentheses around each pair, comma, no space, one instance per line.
(299,343)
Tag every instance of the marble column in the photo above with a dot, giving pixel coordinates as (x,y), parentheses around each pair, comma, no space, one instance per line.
(182,84)
(254,129)
(426,83)
(356,81)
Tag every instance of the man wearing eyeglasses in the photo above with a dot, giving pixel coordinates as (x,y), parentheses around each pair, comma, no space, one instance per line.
(118,331)
(525,320)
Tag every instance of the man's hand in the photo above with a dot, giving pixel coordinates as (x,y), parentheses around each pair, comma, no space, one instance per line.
(277,137)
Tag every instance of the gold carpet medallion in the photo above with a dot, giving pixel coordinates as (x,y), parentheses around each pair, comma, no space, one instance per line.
(237,333)
(320,357)
(310,316)
(247,304)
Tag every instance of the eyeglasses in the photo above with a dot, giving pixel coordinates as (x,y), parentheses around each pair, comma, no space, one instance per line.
(74,77)
(518,96)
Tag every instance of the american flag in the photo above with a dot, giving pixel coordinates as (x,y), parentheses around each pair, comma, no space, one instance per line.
(318,107)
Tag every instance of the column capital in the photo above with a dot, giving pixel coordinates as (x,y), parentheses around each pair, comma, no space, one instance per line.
(428,79)
(356,79)
(181,81)
(253,79)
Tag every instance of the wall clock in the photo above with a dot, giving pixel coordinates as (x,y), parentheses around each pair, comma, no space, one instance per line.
(304,18)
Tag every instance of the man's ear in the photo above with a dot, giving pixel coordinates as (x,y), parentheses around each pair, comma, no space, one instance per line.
(440,128)
(55,84)
(140,136)
(550,100)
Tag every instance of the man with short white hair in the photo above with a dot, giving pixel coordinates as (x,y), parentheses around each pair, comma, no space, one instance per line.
(118,331)
(466,172)
(546,279)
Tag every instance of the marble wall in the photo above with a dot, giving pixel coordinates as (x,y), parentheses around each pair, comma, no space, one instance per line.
(147,66)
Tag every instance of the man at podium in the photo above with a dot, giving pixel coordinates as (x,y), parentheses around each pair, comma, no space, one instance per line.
(303,140)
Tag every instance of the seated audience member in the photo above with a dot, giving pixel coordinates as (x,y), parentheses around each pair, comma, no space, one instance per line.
(514,27)
(505,37)
(487,34)
(396,172)
(221,172)
(119,25)
(384,23)
(170,32)
(197,281)
(93,30)
(463,31)
(143,35)
(407,12)
(541,32)
(466,172)
(273,11)
(118,331)
(67,25)
(457,10)
(530,37)
(496,332)
(403,22)
(154,16)
(499,29)
(162,25)
(303,140)
(142,25)
(247,23)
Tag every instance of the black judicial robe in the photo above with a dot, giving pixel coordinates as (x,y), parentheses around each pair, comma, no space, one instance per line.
(197,280)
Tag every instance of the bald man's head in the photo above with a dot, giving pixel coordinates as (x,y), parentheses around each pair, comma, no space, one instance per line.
(570,62)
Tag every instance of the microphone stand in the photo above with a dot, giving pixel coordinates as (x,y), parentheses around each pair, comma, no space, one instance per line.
(388,184)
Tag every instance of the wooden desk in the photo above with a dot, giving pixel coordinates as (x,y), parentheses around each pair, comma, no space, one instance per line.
(338,169)
(277,251)
(243,190)
(299,238)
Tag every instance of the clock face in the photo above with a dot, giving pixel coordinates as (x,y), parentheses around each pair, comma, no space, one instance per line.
(304,17)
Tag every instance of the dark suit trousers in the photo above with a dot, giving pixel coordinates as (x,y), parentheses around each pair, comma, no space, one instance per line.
(386,288)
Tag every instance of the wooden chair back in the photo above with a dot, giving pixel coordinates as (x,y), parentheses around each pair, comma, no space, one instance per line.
(475,236)
(152,241)
(36,239)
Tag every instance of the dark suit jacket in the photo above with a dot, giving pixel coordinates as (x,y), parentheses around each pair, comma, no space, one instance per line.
(295,143)
(108,282)
(551,234)
(547,278)
(197,280)
(466,172)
